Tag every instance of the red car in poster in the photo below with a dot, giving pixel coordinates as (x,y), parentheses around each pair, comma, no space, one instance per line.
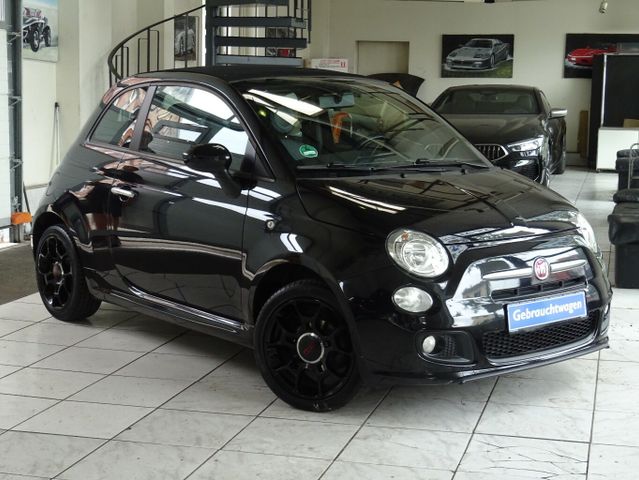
(583,57)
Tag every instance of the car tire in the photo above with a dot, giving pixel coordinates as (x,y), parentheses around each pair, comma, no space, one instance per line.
(47,37)
(561,165)
(303,348)
(34,40)
(492,61)
(60,277)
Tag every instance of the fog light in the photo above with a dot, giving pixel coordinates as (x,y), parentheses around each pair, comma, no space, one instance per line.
(412,299)
(429,344)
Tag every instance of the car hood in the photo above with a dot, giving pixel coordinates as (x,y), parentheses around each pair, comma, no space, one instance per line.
(466,53)
(454,207)
(585,52)
(501,129)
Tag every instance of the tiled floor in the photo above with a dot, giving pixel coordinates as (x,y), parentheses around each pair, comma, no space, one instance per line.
(127,397)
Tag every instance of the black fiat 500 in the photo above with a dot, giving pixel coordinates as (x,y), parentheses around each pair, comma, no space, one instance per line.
(333,223)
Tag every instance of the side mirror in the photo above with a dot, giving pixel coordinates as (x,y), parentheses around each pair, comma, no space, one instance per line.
(216,159)
(559,113)
(210,158)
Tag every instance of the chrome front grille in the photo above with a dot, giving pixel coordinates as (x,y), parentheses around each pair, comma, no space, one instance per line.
(492,152)
(488,284)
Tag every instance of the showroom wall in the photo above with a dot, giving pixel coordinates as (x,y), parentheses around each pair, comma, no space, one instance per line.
(539,27)
(89,29)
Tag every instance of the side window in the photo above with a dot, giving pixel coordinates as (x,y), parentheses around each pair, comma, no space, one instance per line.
(117,125)
(181,117)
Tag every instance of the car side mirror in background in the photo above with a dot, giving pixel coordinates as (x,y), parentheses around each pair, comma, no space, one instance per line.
(559,113)
(216,159)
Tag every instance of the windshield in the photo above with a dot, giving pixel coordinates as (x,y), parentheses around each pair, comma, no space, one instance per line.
(480,44)
(489,102)
(347,123)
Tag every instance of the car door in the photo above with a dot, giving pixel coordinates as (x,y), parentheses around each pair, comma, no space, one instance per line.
(179,230)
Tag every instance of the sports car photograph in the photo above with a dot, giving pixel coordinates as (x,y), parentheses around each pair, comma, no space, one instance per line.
(488,56)
(583,48)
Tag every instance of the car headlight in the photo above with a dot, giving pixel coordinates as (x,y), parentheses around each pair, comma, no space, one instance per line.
(586,231)
(527,145)
(418,253)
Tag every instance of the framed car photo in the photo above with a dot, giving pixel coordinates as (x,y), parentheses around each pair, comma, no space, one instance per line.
(582,48)
(478,56)
(40,30)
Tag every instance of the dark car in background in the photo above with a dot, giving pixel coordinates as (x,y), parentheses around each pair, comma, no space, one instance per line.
(478,54)
(513,126)
(333,223)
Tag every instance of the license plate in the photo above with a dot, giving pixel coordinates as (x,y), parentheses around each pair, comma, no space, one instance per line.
(545,311)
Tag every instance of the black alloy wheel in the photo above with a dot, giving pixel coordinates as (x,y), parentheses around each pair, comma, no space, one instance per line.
(304,349)
(61,283)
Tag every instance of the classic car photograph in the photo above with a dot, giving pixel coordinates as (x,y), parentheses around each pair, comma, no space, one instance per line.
(357,239)
(477,56)
(582,48)
(185,42)
(514,127)
(39,29)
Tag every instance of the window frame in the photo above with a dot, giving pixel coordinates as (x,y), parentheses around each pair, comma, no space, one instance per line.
(261,169)
(135,142)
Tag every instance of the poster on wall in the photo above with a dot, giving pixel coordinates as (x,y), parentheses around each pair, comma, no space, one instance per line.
(40,30)
(478,56)
(185,41)
(582,48)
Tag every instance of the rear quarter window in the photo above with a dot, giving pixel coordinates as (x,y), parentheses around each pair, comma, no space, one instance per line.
(117,124)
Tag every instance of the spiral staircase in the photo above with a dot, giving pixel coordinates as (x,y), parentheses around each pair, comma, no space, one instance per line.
(220,32)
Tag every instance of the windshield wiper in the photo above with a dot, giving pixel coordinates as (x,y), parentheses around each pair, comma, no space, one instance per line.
(338,166)
(451,163)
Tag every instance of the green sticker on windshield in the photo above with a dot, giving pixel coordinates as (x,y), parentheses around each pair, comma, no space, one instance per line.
(309,151)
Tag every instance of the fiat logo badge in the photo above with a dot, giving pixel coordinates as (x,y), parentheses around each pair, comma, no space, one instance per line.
(541,269)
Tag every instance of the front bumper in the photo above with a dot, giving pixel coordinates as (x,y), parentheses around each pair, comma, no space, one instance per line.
(470,312)
(468,64)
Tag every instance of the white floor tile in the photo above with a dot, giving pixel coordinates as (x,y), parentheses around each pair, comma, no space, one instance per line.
(611,462)
(416,407)
(545,393)
(616,428)
(621,351)
(187,429)
(150,324)
(20,354)
(84,420)
(617,398)
(127,340)
(15,409)
(52,334)
(46,383)
(354,413)
(141,392)
(408,448)
(619,373)
(194,343)
(250,466)
(7,370)
(10,326)
(28,312)
(169,366)
(41,455)
(511,457)
(223,397)
(347,470)
(285,437)
(536,422)
(89,360)
(625,298)
(137,461)
(101,319)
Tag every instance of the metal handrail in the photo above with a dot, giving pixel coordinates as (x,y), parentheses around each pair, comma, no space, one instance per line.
(113,69)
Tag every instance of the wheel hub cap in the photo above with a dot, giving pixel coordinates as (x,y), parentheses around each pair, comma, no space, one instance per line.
(310,348)
(58,271)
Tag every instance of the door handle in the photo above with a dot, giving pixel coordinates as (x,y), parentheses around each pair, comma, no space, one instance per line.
(123,192)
